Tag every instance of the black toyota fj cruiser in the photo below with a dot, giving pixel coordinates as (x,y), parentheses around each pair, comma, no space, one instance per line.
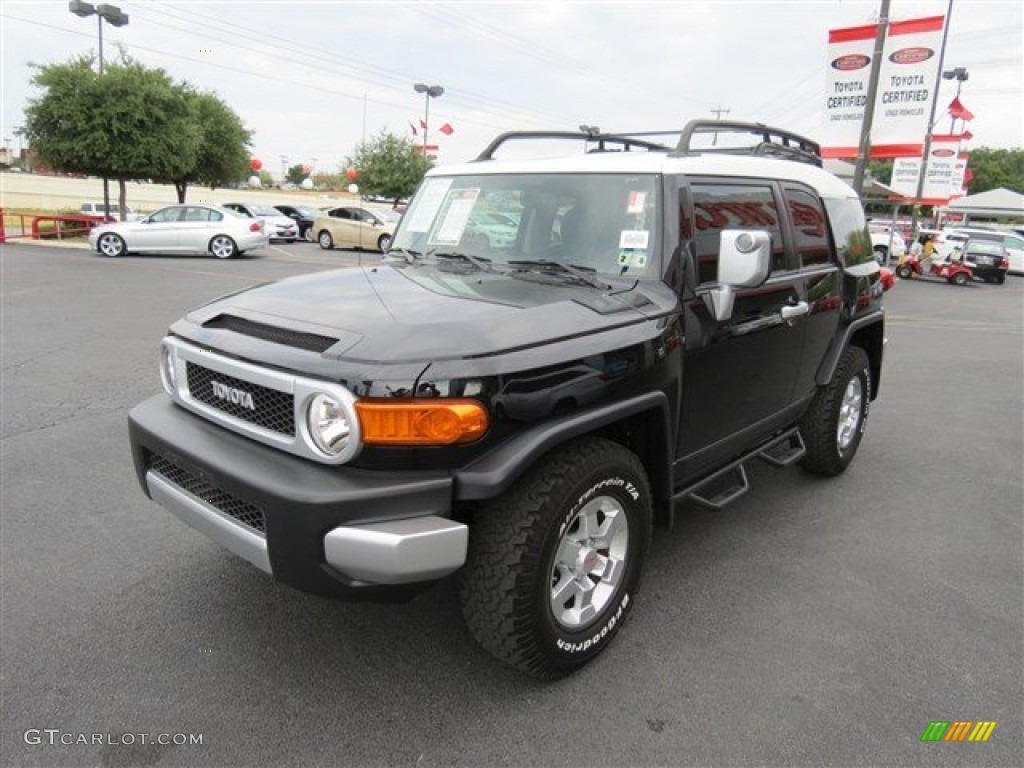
(524,401)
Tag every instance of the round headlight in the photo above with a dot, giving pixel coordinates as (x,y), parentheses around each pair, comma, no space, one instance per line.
(329,423)
(168,374)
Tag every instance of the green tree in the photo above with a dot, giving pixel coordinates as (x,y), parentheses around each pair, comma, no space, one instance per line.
(995,168)
(129,123)
(295,174)
(389,166)
(223,151)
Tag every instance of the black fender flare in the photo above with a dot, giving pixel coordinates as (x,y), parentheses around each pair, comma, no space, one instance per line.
(495,471)
(828,366)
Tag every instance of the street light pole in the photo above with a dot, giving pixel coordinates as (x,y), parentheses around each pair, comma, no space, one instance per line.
(112,15)
(961,75)
(428,91)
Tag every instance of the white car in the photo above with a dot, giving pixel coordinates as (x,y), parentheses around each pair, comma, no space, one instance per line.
(182,229)
(279,226)
(95,208)
(881,237)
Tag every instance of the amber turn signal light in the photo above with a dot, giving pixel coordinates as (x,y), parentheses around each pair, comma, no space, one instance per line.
(421,422)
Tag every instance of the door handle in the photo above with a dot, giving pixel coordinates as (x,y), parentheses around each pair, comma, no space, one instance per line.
(792,312)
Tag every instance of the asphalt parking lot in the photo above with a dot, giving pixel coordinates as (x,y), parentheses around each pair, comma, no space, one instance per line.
(812,623)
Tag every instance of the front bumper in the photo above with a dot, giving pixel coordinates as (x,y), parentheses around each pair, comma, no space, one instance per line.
(333,531)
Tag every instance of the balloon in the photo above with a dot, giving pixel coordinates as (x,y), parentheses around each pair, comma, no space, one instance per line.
(353,189)
(254,181)
(307,169)
(255,163)
(352,174)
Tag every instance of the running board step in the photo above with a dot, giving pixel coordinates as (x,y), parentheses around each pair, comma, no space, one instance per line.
(730,482)
(785,451)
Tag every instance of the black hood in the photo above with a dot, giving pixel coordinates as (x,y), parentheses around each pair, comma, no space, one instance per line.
(411,313)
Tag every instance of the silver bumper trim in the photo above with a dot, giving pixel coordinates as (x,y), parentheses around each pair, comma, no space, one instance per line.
(398,551)
(206,519)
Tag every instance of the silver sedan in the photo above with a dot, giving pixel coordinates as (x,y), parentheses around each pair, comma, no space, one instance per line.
(182,229)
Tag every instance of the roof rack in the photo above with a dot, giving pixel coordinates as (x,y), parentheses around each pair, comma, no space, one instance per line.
(775,142)
(626,142)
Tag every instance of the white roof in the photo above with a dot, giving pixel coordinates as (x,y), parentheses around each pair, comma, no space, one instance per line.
(994,202)
(710,164)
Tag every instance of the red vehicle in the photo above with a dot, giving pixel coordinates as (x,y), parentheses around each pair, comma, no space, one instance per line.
(953,271)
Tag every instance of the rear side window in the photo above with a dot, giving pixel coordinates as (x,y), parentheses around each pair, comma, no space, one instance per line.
(733,206)
(853,242)
(811,232)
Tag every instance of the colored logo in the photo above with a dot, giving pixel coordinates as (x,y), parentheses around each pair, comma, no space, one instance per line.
(958,730)
(851,61)
(943,153)
(911,55)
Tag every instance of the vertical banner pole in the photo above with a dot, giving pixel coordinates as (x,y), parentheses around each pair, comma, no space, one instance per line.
(864,145)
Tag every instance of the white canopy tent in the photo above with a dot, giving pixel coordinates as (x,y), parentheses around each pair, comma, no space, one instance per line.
(995,204)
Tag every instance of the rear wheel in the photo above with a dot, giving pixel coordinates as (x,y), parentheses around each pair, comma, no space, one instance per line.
(903,271)
(325,240)
(960,278)
(1001,279)
(223,247)
(308,237)
(383,243)
(110,245)
(834,424)
(553,563)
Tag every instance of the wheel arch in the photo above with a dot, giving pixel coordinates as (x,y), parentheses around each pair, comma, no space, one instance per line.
(868,333)
(640,423)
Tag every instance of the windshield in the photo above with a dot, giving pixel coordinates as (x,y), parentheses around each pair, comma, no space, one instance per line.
(605,223)
(266,210)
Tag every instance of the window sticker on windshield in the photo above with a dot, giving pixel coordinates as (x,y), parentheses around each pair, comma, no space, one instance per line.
(636,203)
(634,239)
(460,205)
(632,258)
(428,204)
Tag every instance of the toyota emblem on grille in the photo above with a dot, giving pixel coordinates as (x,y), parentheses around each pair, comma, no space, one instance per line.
(233,395)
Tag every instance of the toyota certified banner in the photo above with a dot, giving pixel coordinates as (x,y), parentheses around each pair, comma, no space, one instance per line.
(945,178)
(906,87)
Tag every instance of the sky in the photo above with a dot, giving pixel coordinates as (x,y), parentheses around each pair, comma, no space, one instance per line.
(312,79)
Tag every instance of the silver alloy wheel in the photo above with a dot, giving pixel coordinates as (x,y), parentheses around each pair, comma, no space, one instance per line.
(850,413)
(326,241)
(309,234)
(384,243)
(110,244)
(590,561)
(222,246)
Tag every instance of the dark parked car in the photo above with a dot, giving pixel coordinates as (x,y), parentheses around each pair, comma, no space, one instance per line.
(303,215)
(988,258)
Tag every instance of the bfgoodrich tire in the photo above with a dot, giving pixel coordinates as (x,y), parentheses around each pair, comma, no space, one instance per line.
(834,424)
(554,562)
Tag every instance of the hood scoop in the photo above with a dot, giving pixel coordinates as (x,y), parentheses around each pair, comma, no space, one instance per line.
(311,342)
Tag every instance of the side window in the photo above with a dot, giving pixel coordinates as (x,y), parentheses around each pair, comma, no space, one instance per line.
(853,243)
(196,214)
(809,225)
(166,215)
(216,215)
(732,206)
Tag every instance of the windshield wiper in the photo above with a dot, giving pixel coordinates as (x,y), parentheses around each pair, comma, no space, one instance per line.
(409,255)
(556,267)
(477,261)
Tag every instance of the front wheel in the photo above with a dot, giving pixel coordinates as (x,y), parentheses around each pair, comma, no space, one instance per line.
(903,271)
(959,278)
(325,240)
(223,247)
(554,563)
(834,424)
(110,245)
(383,243)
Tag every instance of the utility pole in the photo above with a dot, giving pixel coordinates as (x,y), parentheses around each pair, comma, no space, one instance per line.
(864,145)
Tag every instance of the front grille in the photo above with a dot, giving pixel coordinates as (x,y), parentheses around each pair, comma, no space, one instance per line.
(309,341)
(271,409)
(189,480)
